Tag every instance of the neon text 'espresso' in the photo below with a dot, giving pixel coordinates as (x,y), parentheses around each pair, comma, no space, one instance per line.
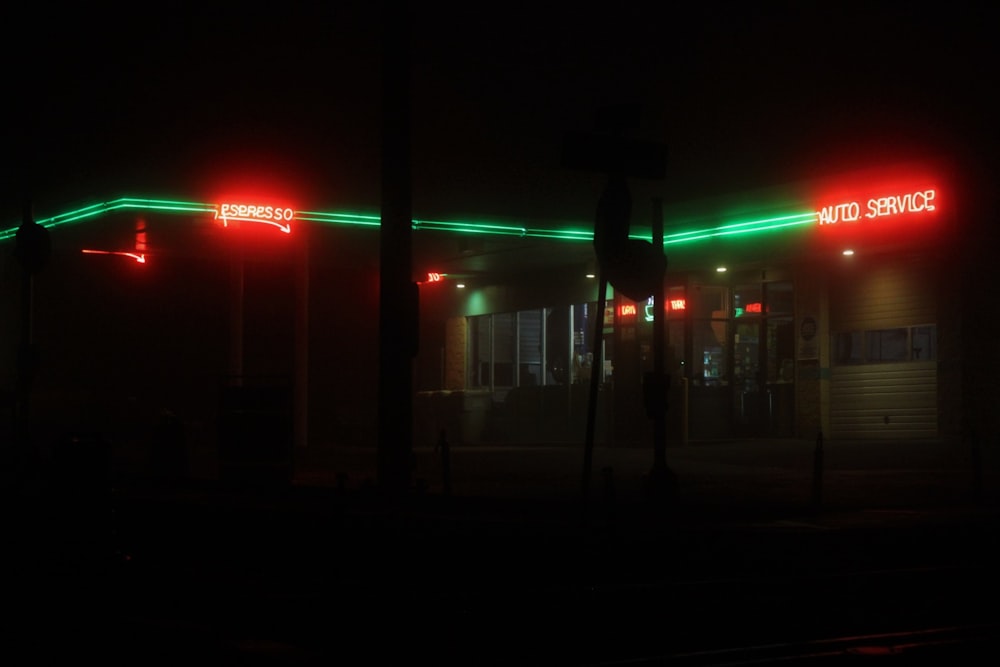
(277,216)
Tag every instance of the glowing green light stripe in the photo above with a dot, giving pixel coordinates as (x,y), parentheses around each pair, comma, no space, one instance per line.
(735,232)
(560,234)
(338,218)
(164,205)
(94,210)
(744,227)
(469,227)
(125,202)
(367,220)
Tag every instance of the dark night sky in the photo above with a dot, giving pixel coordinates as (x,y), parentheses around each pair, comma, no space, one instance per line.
(128,100)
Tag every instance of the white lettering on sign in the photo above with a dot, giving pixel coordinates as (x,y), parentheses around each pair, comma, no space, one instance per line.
(879,207)
(278,216)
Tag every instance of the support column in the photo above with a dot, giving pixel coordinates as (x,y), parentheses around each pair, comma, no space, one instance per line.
(398,306)
(301,389)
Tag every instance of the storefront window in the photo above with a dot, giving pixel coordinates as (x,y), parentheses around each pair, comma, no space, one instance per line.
(557,345)
(709,337)
(848,348)
(924,343)
(880,346)
(779,298)
(529,348)
(747,300)
(479,351)
(746,354)
(886,345)
(504,346)
(780,349)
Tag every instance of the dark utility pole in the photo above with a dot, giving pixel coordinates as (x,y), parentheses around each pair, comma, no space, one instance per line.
(32,250)
(398,308)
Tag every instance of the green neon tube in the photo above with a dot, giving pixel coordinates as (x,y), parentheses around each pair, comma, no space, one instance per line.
(368,220)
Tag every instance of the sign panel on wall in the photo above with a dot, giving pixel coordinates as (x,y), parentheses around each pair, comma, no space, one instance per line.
(808,339)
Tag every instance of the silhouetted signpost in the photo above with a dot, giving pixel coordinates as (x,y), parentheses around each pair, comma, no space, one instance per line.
(32,250)
(634,267)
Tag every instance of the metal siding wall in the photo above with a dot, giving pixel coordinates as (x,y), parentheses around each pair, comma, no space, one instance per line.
(899,294)
(894,400)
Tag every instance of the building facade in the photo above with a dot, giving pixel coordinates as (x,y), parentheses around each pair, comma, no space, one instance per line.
(835,306)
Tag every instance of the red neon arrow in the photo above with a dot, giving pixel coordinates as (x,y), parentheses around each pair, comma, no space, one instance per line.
(287,229)
(139,257)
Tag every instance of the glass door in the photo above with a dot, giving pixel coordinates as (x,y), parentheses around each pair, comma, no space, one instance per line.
(709,387)
(751,394)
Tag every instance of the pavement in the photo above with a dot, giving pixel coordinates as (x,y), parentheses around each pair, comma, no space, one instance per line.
(719,479)
(496,556)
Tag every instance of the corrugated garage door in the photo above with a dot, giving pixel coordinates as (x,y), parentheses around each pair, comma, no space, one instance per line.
(871,399)
(884,400)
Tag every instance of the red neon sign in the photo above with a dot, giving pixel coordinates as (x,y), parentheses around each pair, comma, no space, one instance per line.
(140,236)
(919,201)
(678,304)
(627,310)
(433,277)
(276,216)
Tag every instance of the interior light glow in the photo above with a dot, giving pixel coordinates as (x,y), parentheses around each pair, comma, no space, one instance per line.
(848,252)
(138,257)
(720,269)
(460,285)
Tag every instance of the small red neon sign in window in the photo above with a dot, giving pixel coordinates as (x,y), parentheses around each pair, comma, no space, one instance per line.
(627,310)
(678,304)
(433,277)
(276,216)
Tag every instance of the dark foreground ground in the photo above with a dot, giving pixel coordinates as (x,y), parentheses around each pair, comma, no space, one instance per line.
(891,551)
